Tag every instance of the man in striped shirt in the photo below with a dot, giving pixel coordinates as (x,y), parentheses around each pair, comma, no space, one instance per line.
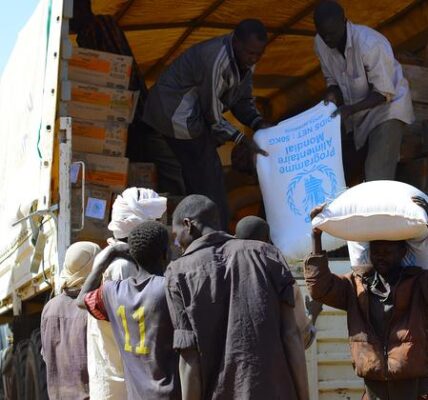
(187,104)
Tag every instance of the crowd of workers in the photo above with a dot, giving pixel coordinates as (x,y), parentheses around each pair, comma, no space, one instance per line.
(225,320)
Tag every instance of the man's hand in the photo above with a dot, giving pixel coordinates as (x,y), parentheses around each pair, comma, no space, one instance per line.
(254,147)
(344,111)
(330,97)
(315,211)
(314,308)
(111,252)
(421,202)
(333,95)
(316,233)
(101,263)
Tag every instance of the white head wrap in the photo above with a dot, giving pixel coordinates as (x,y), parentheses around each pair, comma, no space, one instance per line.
(79,259)
(133,207)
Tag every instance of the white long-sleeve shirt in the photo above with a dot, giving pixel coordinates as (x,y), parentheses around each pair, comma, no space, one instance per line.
(369,64)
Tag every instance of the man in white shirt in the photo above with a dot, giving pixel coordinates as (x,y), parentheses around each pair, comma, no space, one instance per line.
(105,368)
(366,82)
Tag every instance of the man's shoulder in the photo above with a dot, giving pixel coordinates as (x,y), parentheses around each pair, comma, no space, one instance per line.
(367,38)
(209,50)
(119,269)
(253,246)
(57,306)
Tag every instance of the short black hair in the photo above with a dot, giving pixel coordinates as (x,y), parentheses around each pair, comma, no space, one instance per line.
(252,228)
(148,243)
(199,208)
(248,27)
(328,9)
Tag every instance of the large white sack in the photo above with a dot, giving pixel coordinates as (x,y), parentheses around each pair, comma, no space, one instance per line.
(377,210)
(303,169)
(417,253)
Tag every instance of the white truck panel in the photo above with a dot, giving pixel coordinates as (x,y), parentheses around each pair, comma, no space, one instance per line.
(330,372)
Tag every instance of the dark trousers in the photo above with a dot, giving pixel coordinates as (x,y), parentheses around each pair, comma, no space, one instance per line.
(147,145)
(202,170)
(378,158)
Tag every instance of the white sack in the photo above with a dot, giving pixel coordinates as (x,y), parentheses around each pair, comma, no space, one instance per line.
(378,210)
(303,169)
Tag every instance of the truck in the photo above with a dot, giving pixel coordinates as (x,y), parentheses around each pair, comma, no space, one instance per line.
(36,210)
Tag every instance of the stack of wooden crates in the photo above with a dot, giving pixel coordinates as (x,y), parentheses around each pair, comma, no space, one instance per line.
(97,98)
(413,166)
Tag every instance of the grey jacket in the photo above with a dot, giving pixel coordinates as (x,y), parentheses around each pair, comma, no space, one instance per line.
(191,96)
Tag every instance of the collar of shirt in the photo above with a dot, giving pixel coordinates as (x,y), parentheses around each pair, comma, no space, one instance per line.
(230,51)
(208,240)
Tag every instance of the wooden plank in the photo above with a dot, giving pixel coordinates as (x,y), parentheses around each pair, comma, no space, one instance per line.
(195,23)
(213,25)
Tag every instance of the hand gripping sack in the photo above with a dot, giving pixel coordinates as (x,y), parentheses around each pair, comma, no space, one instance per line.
(377,210)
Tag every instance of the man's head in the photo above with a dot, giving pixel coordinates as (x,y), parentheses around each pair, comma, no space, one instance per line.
(195,216)
(249,42)
(149,246)
(79,259)
(386,255)
(253,228)
(82,15)
(330,22)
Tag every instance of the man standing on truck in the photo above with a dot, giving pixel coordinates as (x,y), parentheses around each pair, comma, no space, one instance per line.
(366,83)
(231,303)
(187,104)
(105,367)
(63,328)
(103,33)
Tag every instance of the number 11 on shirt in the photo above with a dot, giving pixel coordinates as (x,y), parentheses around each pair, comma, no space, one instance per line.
(138,316)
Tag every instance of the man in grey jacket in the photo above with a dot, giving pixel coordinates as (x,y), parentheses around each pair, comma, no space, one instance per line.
(187,104)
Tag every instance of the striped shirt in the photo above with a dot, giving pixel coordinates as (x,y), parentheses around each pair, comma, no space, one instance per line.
(191,96)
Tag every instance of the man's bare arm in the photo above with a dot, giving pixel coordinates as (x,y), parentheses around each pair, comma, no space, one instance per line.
(190,375)
(294,351)
(101,263)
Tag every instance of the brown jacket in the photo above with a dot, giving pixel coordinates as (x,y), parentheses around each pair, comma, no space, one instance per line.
(404,353)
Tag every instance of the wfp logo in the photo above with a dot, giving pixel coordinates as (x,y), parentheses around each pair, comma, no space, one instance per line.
(311,188)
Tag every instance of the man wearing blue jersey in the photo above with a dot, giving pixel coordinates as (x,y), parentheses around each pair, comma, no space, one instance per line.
(138,312)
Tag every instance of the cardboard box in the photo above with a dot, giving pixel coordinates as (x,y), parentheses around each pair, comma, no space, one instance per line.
(85,101)
(143,175)
(103,170)
(96,210)
(108,138)
(100,68)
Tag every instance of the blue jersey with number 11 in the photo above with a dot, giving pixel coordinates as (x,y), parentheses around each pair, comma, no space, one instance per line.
(138,312)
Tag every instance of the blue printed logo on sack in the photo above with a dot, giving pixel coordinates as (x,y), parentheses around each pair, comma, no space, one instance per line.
(310,188)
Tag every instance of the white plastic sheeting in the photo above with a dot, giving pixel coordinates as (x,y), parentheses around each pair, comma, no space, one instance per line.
(21,102)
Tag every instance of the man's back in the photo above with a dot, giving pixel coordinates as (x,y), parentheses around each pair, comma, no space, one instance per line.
(138,312)
(224,296)
(63,331)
